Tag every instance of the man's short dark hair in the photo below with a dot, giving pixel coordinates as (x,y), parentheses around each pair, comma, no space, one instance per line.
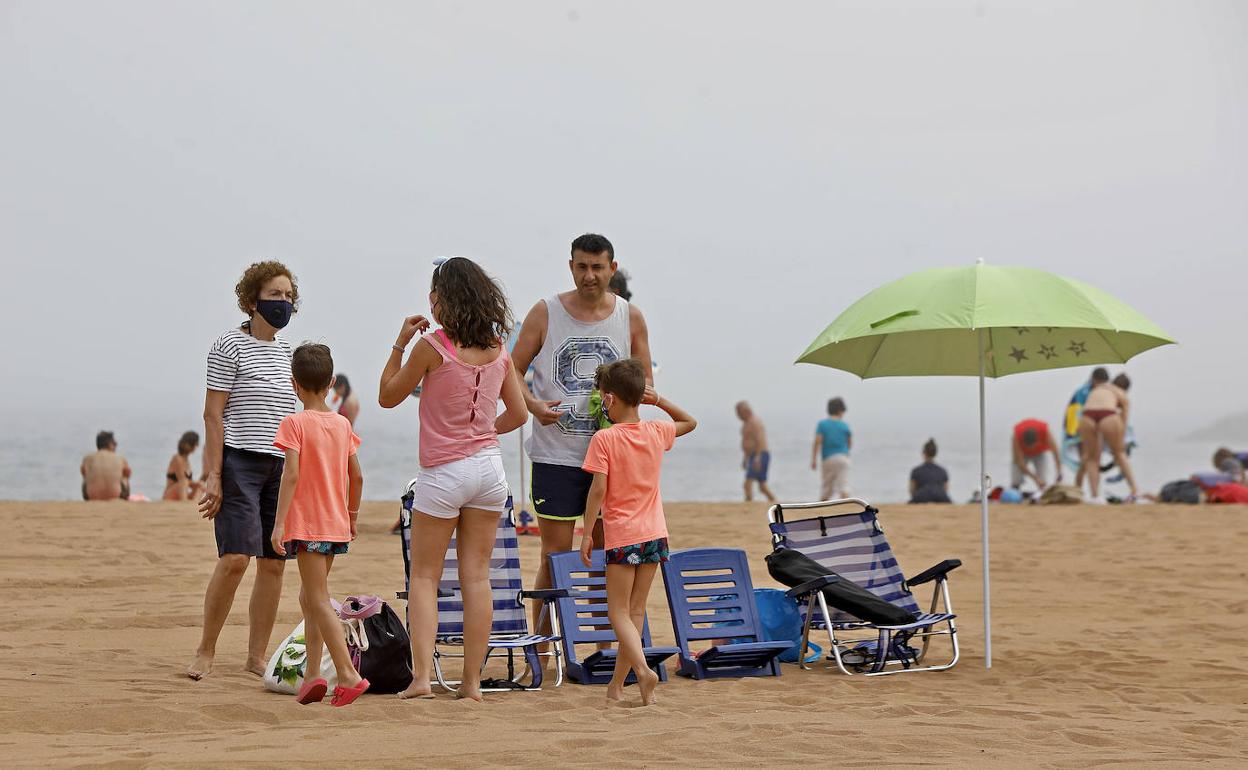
(1030,437)
(592,243)
(1123,381)
(836,405)
(312,366)
(626,380)
(104,439)
(1100,374)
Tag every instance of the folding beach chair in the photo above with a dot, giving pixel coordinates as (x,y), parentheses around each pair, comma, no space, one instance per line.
(853,545)
(711,597)
(510,631)
(582,616)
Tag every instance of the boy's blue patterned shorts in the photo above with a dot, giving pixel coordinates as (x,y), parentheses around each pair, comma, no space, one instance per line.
(649,552)
(316,546)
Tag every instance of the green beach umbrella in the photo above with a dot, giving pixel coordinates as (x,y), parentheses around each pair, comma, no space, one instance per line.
(983,321)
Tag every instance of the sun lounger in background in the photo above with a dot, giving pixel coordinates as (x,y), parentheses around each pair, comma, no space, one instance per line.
(853,546)
(583,620)
(510,632)
(712,598)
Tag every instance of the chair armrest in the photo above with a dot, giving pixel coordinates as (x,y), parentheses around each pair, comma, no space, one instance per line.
(937,572)
(550,594)
(810,586)
(442,594)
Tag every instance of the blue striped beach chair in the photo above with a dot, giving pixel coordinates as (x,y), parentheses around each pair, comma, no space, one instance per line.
(711,598)
(582,617)
(853,546)
(510,632)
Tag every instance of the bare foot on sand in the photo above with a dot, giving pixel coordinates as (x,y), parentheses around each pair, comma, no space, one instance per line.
(417,692)
(201,667)
(615,693)
(465,694)
(647,681)
(253,666)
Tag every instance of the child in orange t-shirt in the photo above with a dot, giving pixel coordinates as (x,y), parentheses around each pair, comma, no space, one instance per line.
(316,510)
(625,460)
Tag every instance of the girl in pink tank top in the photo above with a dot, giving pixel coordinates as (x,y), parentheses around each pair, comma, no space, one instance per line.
(461,488)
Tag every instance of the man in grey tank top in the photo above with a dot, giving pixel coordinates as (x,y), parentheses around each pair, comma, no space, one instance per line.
(566,337)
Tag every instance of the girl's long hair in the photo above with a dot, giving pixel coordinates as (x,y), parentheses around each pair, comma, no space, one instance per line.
(471,305)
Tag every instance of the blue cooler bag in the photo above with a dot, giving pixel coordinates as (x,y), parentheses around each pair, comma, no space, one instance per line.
(782,621)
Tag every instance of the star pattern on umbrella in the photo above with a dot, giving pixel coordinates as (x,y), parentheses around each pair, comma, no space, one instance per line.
(1017,354)
(1048,351)
(1078,348)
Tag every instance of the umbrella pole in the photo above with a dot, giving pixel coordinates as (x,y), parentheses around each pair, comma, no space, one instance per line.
(983,504)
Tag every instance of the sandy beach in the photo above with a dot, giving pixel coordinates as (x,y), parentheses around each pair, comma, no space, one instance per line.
(1119,639)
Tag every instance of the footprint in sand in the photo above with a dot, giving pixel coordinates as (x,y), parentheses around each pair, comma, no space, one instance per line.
(239,714)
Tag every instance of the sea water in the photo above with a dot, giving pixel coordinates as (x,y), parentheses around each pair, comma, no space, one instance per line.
(40,457)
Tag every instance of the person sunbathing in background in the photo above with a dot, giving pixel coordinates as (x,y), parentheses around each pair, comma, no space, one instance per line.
(180,481)
(757,461)
(105,474)
(625,460)
(929,483)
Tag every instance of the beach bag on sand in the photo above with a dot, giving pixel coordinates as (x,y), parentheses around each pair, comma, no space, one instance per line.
(792,568)
(1227,493)
(781,621)
(379,644)
(284,673)
(1061,494)
(1181,491)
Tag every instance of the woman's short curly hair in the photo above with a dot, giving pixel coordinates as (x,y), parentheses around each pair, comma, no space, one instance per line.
(254,279)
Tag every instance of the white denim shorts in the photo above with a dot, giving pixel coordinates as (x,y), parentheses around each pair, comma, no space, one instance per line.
(473,482)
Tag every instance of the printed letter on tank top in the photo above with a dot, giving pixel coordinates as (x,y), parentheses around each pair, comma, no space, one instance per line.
(564,371)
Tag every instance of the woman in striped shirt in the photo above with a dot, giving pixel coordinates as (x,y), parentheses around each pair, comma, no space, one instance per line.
(249,393)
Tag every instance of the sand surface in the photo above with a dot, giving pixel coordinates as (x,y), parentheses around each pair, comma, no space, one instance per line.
(1119,639)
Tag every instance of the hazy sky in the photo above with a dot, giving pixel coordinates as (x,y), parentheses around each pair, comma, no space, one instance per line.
(759,166)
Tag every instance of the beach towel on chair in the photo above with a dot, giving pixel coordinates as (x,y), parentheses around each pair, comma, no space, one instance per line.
(794,568)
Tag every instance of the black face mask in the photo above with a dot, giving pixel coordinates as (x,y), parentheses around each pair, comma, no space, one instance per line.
(276,311)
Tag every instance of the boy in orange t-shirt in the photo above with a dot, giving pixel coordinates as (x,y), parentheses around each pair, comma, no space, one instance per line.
(316,510)
(625,460)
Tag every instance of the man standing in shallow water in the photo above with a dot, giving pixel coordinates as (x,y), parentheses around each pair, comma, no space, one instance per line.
(757,462)
(567,337)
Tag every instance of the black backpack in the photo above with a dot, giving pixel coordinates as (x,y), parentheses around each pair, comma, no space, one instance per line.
(387,663)
(1181,491)
(792,568)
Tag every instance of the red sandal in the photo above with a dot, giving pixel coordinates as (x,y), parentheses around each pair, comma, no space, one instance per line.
(344,696)
(312,692)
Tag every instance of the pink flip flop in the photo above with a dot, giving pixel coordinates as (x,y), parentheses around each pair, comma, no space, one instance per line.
(312,692)
(344,696)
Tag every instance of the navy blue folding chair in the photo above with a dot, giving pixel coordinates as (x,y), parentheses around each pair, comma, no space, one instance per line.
(711,598)
(853,546)
(509,633)
(583,620)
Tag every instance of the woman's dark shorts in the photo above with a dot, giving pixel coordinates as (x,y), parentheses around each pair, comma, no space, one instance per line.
(649,552)
(249,485)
